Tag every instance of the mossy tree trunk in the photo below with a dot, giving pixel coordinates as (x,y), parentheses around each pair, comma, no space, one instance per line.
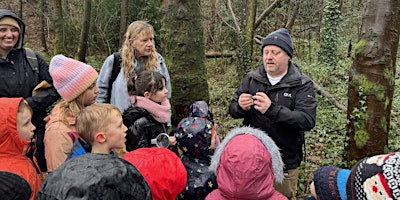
(371,81)
(246,42)
(59,27)
(184,52)
(83,43)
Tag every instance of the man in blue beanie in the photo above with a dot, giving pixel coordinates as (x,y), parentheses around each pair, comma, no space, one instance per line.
(278,99)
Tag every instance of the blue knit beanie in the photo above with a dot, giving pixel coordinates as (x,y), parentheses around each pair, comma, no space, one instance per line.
(280,38)
(330,182)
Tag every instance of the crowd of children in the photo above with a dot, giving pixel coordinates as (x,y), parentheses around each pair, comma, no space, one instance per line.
(100,151)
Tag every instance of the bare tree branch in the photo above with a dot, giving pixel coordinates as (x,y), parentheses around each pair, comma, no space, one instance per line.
(225,22)
(266,13)
(234,17)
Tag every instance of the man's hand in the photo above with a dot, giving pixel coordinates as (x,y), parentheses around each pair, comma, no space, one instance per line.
(245,101)
(261,102)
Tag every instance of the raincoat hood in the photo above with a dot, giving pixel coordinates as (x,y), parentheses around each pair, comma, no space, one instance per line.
(10,142)
(9,13)
(247,163)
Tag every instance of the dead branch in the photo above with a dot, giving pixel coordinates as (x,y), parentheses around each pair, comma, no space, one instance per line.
(266,12)
(234,17)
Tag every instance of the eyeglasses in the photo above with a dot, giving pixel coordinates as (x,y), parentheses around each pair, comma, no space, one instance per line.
(162,140)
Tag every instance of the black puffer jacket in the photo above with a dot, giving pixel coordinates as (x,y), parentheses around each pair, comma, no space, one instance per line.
(142,127)
(17,79)
(292,112)
(95,176)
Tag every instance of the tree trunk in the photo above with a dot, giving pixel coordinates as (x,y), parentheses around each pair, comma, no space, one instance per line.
(59,27)
(245,43)
(83,43)
(184,54)
(292,18)
(43,10)
(124,21)
(372,80)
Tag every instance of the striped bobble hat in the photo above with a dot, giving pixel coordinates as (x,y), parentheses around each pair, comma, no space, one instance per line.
(71,77)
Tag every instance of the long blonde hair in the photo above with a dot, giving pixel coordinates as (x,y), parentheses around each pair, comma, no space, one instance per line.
(70,109)
(128,52)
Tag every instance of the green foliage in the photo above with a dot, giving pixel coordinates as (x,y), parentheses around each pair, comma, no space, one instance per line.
(328,51)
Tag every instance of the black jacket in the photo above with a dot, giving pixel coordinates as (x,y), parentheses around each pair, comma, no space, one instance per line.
(142,127)
(95,176)
(293,110)
(17,79)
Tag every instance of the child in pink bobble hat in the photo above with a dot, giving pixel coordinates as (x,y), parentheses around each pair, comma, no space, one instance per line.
(76,83)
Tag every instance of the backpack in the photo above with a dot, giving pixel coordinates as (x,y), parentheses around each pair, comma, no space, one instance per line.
(114,73)
(32,60)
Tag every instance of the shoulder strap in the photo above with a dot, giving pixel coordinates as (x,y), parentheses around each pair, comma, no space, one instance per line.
(32,60)
(114,73)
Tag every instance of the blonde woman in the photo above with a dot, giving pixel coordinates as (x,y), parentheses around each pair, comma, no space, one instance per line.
(138,54)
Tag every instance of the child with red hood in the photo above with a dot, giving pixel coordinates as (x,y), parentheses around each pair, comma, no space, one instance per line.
(16,132)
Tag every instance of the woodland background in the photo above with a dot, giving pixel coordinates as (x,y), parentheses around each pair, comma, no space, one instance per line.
(209,45)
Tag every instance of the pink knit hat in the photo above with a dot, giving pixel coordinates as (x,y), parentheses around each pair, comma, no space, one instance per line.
(71,77)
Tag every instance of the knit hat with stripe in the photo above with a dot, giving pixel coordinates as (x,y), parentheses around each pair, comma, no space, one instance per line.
(71,77)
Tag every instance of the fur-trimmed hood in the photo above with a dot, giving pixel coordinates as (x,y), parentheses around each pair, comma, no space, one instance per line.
(247,163)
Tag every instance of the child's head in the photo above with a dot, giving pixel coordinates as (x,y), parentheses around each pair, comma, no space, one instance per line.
(149,84)
(200,109)
(95,176)
(25,127)
(101,125)
(74,80)
(329,183)
(251,149)
(194,136)
(162,170)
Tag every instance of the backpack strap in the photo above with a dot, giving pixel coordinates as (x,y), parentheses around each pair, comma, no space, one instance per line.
(114,73)
(32,60)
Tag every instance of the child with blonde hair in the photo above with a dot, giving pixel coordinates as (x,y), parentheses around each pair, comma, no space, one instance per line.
(76,83)
(97,175)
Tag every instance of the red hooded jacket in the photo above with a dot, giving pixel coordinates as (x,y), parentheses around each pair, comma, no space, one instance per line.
(13,149)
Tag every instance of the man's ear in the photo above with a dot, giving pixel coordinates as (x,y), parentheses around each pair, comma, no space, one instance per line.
(100,137)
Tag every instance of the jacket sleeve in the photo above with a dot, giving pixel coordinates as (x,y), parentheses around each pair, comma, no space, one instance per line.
(164,71)
(234,108)
(46,96)
(58,144)
(303,115)
(104,79)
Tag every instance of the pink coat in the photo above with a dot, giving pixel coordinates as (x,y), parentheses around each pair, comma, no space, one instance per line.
(245,170)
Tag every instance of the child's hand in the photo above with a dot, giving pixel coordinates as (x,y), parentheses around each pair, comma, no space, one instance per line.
(172,140)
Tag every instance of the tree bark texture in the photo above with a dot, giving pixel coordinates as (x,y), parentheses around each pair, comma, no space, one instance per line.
(83,43)
(124,21)
(372,80)
(59,27)
(43,8)
(184,52)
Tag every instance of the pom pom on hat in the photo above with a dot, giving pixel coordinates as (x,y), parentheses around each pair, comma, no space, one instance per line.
(330,182)
(162,169)
(280,38)
(71,77)
(10,21)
